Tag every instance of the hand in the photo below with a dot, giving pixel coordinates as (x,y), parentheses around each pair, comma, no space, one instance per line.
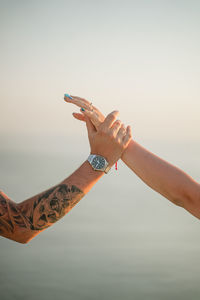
(91,111)
(110,139)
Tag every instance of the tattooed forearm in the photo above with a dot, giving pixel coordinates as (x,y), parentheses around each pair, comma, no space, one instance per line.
(53,205)
(10,216)
(39,213)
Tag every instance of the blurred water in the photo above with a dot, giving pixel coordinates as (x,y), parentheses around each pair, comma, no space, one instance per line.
(122,241)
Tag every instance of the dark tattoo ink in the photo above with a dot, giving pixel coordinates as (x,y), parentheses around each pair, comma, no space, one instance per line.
(10,216)
(53,205)
(48,208)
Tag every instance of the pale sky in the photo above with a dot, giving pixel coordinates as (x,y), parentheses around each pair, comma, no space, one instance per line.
(140,57)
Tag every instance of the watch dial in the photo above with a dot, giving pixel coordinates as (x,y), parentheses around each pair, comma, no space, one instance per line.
(98,162)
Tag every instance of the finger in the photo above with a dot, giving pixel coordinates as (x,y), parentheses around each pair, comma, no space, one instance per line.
(115,127)
(81,102)
(84,101)
(81,99)
(109,120)
(86,104)
(79,117)
(92,115)
(121,132)
(90,127)
(128,136)
(78,101)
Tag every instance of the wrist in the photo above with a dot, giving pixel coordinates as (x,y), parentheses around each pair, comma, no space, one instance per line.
(110,159)
(128,150)
(99,162)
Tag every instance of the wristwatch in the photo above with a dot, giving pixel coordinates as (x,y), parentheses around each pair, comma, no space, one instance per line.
(98,163)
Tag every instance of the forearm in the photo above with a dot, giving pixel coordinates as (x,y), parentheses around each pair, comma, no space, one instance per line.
(160,175)
(84,177)
(163,177)
(30,217)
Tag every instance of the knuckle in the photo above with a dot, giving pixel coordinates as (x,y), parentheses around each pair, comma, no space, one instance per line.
(113,114)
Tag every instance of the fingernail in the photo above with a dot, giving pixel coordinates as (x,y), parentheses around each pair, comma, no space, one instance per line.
(82,109)
(68,96)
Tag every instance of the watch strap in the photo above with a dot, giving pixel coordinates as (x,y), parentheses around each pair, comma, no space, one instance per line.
(107,169)
(90,158)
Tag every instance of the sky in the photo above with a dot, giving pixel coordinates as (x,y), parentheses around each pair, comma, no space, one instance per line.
(139,57)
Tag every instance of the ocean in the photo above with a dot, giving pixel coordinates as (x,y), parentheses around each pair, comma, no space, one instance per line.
(121,241)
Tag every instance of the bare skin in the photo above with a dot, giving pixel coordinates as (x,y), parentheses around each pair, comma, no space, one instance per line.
(165,178)
(23,221)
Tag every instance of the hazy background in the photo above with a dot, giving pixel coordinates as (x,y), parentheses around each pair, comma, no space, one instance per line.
(122,241)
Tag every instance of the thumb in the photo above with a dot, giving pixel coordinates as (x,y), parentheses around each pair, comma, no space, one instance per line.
(90,127)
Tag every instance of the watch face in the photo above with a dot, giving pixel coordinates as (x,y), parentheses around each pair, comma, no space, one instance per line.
(98,162)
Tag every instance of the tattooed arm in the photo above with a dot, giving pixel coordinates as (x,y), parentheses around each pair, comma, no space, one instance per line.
(21,222)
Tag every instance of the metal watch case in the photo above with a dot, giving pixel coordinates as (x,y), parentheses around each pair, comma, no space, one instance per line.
(98,163)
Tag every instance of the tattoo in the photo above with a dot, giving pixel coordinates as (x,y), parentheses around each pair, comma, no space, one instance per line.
(10,216)
(53,205)
(45,210)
